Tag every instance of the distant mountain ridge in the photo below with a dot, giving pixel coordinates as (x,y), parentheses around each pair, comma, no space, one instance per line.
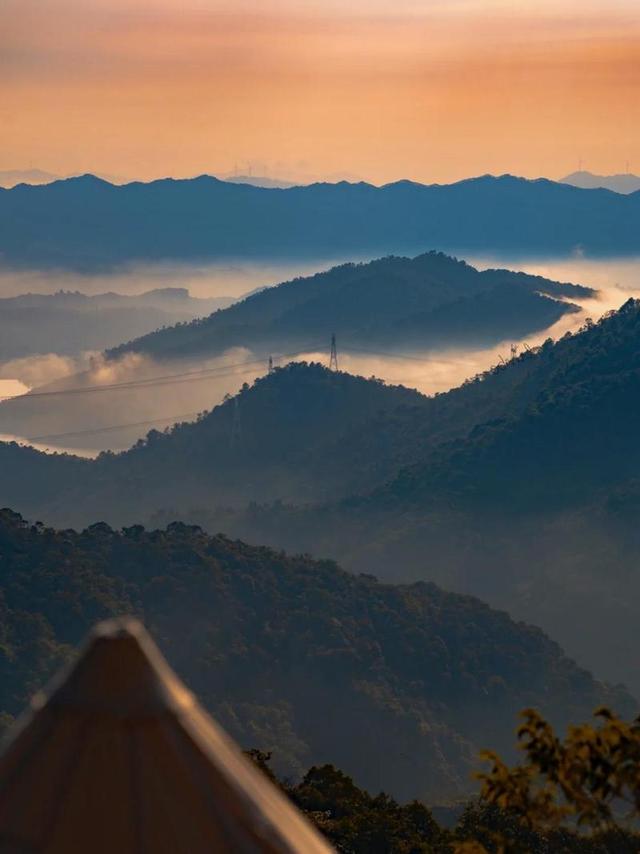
(200,461)
(525,490)
(522,486)
(427,302)
(622,183)
(588,395)
(69,322)
(12,177)
(87,223)
(259,181)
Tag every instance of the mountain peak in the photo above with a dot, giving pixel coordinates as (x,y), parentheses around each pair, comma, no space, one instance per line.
(88,180)
(625,183)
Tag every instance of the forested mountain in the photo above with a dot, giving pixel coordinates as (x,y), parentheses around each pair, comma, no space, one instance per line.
(521,486)
(280,439)
(399,685)
(87,223)
(577,437)
(305,434)
(535,509)
(424,302)
(68,322)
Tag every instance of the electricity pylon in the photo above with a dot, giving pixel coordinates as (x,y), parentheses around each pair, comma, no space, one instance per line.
(333,358)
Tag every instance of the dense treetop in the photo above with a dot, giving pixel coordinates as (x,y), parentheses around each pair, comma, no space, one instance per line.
(521,486)
(400,685)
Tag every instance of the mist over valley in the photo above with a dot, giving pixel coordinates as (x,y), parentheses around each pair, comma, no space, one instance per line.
(204,378)
(319,427)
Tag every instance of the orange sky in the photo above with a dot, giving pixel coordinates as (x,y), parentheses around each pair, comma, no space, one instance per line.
(433,90)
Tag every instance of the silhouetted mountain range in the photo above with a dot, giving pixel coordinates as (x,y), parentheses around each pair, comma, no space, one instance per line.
(575,437)
(520,486)
(431,301)
(399,685)
(259,181)
(87,223)
(534,507)
(275,440)
(69,322)
(425,303)
(11,177)
(623,183)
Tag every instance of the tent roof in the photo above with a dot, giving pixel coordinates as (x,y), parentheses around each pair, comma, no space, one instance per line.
(120,757)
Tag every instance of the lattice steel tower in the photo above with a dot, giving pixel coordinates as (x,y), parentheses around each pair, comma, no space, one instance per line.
(333,358)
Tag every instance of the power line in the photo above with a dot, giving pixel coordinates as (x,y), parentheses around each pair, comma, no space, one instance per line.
(167,379)
(207,373)
(151,422)
(186,376)
(110,428)
(406,356)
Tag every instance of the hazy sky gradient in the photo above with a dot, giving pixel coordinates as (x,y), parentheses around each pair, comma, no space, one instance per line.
(382,89)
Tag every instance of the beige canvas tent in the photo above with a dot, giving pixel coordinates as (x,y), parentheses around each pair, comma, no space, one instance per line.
(120,758)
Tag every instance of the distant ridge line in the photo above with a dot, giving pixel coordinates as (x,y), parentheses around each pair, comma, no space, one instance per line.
(91,177)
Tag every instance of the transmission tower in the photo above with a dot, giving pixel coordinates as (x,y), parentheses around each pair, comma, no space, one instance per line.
(333,358)
(236,432)
(270,364)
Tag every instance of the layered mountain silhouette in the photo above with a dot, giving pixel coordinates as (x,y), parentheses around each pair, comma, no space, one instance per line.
(259,181)
(554,427)
(262,445)
(427,302)
(621,183)
(10,177)
(68,322)
(400,685)
(575,437)
(88,223)
(544,412)
(521,486)
(417,304)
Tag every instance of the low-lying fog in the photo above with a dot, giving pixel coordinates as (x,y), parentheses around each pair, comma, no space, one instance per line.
(90,422)
(232,279)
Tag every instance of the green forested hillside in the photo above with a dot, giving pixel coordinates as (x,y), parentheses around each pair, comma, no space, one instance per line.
(523,490)
(399,685)
(305,434)
(290,437)
(519,487)
(575,437)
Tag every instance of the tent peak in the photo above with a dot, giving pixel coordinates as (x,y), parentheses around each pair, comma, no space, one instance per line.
(120,672)
(120,757)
